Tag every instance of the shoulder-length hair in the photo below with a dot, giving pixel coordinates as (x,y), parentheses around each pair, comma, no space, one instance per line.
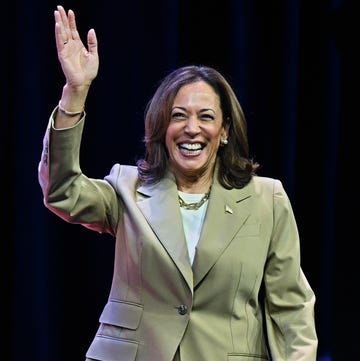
(235,168)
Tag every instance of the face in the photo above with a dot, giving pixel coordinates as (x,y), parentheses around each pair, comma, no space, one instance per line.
(195,130)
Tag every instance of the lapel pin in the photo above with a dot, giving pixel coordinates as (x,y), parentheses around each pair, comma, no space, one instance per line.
(228,209)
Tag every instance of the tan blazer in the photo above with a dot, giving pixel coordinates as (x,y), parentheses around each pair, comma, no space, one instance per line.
(160,304)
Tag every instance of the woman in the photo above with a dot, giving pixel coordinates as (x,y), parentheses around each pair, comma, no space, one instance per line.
(207,257)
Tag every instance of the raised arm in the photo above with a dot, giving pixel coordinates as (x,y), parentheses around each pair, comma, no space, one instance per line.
(79,65)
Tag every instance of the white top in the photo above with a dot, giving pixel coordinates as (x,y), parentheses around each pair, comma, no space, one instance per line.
(192,221)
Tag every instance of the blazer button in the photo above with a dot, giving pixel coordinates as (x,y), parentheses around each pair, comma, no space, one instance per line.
(182,309)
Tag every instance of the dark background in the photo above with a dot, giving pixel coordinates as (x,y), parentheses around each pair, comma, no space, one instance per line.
(294,66)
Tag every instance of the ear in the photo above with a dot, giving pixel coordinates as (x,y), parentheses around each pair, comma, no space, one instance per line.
(225,131)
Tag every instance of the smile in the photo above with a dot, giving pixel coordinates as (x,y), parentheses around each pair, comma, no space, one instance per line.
(190,148)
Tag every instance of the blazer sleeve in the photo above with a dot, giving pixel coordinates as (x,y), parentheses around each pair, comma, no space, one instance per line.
(289,303)
(66,190)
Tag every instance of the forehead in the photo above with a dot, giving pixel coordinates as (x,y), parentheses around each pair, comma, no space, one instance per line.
(197,92)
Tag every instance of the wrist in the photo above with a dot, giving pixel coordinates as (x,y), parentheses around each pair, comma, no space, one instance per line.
(70,112)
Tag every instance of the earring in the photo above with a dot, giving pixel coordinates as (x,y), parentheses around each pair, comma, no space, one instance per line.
(224,141)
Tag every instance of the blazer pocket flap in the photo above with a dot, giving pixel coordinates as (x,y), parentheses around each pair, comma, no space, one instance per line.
(104,348)
(122,314)
(243,357)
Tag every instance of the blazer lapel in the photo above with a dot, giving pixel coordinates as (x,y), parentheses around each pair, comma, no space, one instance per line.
(159,205)
(226,213)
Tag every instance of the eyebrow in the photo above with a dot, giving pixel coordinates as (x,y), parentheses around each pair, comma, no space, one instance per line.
(208,109)
(201,110)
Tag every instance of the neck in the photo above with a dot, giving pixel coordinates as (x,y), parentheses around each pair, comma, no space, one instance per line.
(194,184)
(195,187)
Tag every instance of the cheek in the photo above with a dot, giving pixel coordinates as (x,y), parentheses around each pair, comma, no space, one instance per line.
(216,138)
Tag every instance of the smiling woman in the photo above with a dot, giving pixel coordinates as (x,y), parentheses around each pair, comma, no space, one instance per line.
(196,103)
(198,234)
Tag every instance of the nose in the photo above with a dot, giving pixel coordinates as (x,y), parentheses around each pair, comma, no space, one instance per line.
(192,126)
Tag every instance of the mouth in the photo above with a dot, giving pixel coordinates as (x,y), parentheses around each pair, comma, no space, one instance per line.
(190,148)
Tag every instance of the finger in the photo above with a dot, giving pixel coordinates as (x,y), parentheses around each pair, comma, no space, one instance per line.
(60,34)
(72,25)
(64,22)
(92,42)
(63,17)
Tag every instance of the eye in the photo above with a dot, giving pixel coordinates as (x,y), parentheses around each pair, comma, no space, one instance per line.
(207,116)
(178,115)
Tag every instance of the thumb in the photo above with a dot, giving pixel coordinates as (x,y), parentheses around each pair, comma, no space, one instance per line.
(92,41)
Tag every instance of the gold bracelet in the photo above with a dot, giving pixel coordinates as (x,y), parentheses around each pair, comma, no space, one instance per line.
(70,114)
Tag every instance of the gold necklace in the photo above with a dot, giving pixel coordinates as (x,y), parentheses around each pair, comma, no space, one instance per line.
(195,205)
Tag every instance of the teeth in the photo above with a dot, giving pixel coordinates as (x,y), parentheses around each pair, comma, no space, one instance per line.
(189,146)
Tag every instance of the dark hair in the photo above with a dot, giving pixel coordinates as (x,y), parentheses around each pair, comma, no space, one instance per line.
(235,167)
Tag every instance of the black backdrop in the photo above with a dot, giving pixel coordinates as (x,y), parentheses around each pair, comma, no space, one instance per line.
(294,66)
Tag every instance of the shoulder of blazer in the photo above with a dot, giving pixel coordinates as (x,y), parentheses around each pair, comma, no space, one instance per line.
(123,176)
(266,184)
